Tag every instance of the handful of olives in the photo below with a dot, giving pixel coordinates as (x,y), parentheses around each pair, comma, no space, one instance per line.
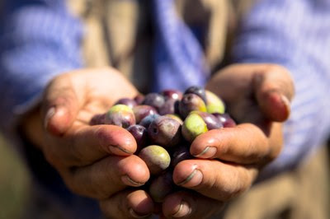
(164,125)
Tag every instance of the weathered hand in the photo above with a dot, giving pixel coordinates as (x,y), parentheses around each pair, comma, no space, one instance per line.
(94,161)
(257,96)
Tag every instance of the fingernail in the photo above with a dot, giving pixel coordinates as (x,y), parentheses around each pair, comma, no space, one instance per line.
(194,179)
(128,181)
(136,215)
(285,100)
(119,150)
(184,210)
(208,152)
(50,113)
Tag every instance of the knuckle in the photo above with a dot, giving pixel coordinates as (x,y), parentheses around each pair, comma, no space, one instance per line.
(286,83)
(106,209)
(111,173)
(233,186)
(102,134)
(83,183)
(275,68)
(118,210)
(106,173)
(78,155)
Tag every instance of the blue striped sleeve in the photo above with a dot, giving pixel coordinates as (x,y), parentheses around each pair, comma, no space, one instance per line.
(38,40)
(295,34)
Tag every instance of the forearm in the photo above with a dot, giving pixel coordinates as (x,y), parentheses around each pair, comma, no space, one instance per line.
(289,33)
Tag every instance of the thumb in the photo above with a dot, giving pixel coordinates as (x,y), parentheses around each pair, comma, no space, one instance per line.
(274,90)
(60,105)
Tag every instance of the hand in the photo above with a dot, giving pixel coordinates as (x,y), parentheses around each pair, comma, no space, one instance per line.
(94,161)
(257,97)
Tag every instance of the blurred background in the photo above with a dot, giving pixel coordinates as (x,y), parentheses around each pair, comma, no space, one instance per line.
(14,183)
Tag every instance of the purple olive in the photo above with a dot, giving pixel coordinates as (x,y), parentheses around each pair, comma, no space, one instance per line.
(142,111)
(176,117)
(140,134)
(179,154)
(139,99)
(198,91)
(191,102)
(127,101)
(161,186)
(154,99)
(226,120)
(146,121)
(98,119)
(169,107)
(120,115)
(212,121)
(172,94)
(165,131)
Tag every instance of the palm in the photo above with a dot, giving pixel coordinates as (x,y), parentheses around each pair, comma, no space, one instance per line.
(89,92)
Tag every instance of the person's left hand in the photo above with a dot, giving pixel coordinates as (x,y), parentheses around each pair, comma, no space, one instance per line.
(229,159)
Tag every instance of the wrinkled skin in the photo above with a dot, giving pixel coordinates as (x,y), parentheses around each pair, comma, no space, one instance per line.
(94,161)
(257,96)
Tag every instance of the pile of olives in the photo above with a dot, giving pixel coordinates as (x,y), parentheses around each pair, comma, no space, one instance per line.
(164,125)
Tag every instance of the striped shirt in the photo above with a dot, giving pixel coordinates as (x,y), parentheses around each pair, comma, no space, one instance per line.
(39,39)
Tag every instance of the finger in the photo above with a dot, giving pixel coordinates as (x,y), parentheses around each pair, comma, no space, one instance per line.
(83,146)
(61,105)
(128,204)
(274,91)
(190,205)
(107,176)
(213,178)
(245,143)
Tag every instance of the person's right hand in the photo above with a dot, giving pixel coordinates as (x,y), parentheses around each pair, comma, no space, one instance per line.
(229,160)
(94,161)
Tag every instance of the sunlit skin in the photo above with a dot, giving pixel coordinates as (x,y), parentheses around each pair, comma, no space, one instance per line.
(99,162)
